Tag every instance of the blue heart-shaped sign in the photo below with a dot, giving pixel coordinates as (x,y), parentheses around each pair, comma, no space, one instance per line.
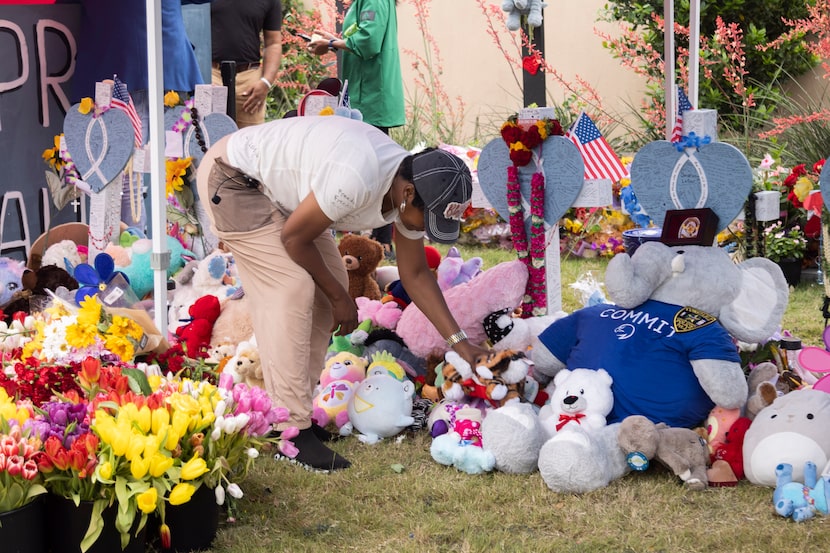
(213,126)
(716,176)
(100,146)
(563,169)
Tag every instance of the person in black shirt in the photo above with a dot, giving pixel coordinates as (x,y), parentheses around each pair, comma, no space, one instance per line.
(237,30)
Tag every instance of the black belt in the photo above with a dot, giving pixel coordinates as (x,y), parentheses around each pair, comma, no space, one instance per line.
(241,66)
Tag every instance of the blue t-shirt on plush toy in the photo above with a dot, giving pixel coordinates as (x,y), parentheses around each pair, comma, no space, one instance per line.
(647,351)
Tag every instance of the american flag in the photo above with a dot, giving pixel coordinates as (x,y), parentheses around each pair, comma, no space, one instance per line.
(683,105)
(600,160)
(121,99)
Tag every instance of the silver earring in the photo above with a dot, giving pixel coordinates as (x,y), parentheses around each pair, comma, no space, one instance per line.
(402,207)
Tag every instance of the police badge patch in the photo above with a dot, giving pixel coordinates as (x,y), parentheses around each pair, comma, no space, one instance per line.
(689,319)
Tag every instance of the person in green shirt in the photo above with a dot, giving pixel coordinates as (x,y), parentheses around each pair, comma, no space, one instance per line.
(370,64)
(370,61)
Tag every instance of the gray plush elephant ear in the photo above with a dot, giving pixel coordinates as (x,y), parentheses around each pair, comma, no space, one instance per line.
(755,313)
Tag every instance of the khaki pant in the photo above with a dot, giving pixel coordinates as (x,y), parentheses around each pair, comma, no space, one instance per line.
(244,81)
(291,316)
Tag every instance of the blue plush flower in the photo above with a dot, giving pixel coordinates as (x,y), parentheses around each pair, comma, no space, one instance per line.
(95,279)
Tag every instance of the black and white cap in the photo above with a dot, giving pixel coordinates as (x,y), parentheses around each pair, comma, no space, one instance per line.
(444,182)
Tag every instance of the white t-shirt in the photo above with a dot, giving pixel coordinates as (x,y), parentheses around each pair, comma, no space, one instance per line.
(348,165)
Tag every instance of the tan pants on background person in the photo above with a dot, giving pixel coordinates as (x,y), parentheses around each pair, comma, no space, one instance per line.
(291,316)
(244,81)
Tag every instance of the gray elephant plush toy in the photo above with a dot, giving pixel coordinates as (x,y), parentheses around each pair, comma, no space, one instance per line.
(667,342)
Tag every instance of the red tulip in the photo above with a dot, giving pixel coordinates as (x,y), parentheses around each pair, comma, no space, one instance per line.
(164,533)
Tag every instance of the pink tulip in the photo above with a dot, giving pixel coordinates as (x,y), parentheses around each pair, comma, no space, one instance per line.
(288,448)
(30,469)
(290,432)
(260,400)
(8,446)
(14,465)
(258,425)
(226,381)
(278,415)
(2,462)
(243,404)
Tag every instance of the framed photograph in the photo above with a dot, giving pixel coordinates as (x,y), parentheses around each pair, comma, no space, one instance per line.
(693,227)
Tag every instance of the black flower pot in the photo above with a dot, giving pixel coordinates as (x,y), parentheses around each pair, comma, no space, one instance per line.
(792,270)
(23,530)
(68,524)
(193,525)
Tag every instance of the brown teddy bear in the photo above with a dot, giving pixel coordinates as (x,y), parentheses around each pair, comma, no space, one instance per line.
(361,256)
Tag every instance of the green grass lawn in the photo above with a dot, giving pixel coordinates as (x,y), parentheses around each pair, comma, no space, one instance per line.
(427,507)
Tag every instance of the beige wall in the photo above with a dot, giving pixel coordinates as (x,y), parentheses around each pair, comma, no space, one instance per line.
(475,70)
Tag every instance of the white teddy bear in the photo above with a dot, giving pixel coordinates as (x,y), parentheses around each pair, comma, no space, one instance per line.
(517,8)
(517,437)
(581,399)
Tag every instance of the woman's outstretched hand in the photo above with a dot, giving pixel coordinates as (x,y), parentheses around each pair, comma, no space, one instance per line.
(344,312)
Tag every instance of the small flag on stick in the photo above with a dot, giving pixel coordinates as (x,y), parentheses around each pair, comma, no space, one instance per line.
(683,105)
(600,160)
(122,100)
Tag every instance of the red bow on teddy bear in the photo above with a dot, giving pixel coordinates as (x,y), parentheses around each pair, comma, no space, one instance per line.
(565,419)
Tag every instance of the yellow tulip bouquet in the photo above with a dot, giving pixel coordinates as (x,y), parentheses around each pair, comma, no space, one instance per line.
(157,449)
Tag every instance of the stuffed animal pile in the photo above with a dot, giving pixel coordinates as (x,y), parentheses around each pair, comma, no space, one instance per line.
(619,385)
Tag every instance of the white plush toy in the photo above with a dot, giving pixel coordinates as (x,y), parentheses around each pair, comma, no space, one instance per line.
(521,441)
(506,331)
(513,435)
(517,8)
(63,254)
(581,399)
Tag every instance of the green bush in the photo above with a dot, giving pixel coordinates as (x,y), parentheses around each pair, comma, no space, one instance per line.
(300,71)
(761,22)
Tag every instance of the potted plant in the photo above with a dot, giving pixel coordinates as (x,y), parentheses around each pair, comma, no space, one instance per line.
(786,246)
(233,423)
(21,517)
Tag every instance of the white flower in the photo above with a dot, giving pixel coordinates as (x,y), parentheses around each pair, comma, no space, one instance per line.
(252,452)
(216,433)
(235,491)
(220,408)
(220,495)
(149,370)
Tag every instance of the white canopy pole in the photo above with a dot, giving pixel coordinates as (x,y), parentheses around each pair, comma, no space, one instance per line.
(160,259)
(694,51)
(668,64)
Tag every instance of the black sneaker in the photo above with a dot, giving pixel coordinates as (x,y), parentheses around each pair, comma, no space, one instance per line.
(313,455)
(322,434)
